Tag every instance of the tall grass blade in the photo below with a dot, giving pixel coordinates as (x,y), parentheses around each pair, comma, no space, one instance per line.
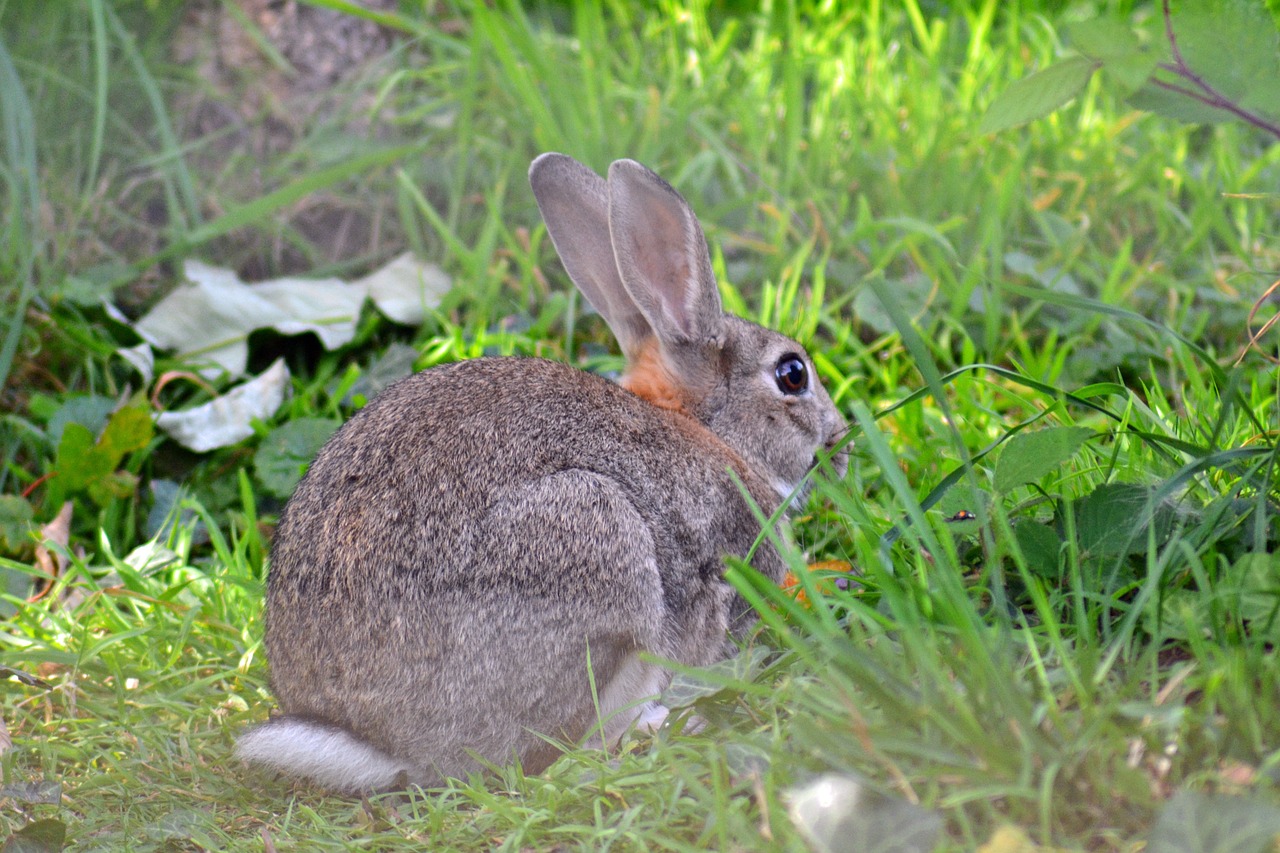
(20,173)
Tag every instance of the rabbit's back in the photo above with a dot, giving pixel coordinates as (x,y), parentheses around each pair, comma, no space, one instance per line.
(479,518)
(395,495)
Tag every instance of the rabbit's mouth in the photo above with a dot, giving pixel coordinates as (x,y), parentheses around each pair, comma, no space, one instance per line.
(834,454)
(796,492)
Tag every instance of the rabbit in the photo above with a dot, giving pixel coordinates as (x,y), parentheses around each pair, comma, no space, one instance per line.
(486,559)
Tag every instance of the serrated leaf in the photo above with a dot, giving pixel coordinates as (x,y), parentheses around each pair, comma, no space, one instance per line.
(1232,45)
(79,462)
(1030,455)
(1131,73)
(1112,519)
(1103,39)
(40,792)
(1155,99)
(1040,545)
(392,365)
(284,455)
(86,465)
(1038,95)
(1201,823)
(41,836)
(960,498)
(89,410)
(1256,577)
(745,760)
(688,687)
(1117,47)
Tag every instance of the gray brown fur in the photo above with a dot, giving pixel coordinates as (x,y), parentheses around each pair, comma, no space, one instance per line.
(461,545)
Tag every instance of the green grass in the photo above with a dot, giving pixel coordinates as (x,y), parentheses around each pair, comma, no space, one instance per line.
(1098,639)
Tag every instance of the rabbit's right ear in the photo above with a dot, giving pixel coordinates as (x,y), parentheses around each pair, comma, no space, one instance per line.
(662,258)
(574,202)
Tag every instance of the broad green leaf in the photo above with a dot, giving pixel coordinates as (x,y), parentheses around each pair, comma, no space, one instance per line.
(1256,578)
(128,430)
(746,760)
(1155,99)
(16,515)
(284,455)
(1232,45)
(183,829)
(1112,519)
(167,509)
(79,462)
(1205,823)
(1051,277)
(41,836)
(87,465)
(113,486)
(1178,615)
(15,583)
(1248,592)
(1030,455)
(1131,72)
(1103,39)
(395,363)
(89,410)
(1040,545)
(1117,47)
(1038,95)
(962,498)
(688,687)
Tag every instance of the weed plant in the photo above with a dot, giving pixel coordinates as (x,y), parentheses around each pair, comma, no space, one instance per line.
(1061,508)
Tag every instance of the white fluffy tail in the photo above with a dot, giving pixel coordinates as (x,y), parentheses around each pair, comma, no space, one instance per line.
(326,755)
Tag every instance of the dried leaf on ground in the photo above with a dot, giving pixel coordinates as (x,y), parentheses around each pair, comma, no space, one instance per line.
(209,319)
(56,532)
(229,418)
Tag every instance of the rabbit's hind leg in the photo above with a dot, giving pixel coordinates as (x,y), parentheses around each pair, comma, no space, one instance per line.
(568,567)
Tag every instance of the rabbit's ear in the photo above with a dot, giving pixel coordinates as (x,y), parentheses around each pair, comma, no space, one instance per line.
(662,257)
(574,202)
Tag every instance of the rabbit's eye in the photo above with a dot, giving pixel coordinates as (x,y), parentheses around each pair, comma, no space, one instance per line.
(791,374)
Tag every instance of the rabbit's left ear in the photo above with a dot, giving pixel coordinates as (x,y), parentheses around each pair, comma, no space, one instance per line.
(574,202)
(662,258)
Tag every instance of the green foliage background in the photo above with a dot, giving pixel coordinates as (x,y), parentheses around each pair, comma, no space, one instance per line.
(1062,505)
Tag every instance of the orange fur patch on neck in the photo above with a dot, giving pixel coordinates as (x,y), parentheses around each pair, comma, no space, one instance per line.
(648,378)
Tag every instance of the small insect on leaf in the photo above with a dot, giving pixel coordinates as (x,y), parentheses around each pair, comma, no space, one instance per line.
(830,575)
